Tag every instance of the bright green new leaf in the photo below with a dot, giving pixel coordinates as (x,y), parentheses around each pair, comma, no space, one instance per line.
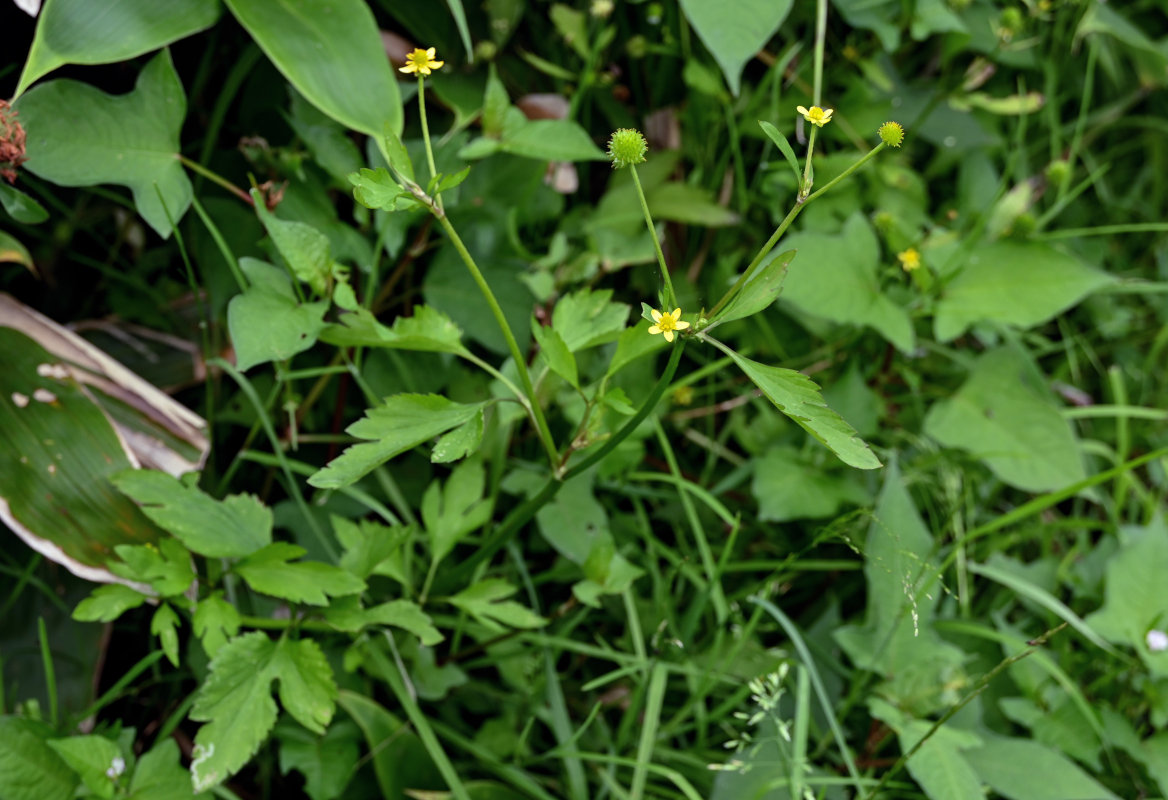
(1021,769)
(734,32)
(348,616)
(799,398)
(461,442)
(1001,418)
(90,757)
(938,765)
(404,421)
(485,602)
(760,291)
(1016,283)
(271,571)
(29,768)
(452,511)
(331,51)
(370,547)
(837,279)
(130,139)
(1135,601)
(165,566)
(107,603)
(164,625)
(266,322)
(236,701)
(305,249)
(215,621)
(551,140)
(376,188)
(633,343)
(555,352)
(228,528)
(83,32)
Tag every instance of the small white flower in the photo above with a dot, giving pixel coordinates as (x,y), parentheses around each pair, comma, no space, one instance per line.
(116,768)
(1157,641)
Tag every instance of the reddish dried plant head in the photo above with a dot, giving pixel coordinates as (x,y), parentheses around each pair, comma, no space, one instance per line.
(11,142)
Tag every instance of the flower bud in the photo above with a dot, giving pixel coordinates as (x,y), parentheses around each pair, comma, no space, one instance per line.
(892,133)
(627,147)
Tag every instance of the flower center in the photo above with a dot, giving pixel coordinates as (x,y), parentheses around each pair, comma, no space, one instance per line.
(667,323)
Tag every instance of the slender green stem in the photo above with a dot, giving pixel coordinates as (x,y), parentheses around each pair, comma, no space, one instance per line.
(218,180)
(762,253)
(859,163)
(670,296)
(805,187)
(47,666)
(545,435)
(425,124)
(820,42)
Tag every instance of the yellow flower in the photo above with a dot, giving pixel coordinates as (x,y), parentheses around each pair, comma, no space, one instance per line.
(816,115)
(667,323)
(910,259)
(422,61)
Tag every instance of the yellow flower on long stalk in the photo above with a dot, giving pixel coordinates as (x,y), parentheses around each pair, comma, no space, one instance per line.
(667,323)
(910,259)
(422,61)
(816,115)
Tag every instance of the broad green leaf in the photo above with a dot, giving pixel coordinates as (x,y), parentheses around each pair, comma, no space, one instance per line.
(734,32)
(165,566)
(452,511)
(348,616)
(371,548)
(692,205)
(272,571)
(331,51)
(760,291)
(29,768)
(235,526)
(56,456)
(788,488)
(552,140)
(784,146)
(90,757)
(305,249)
(82,32)
(485,601)
(897,640)
(215,621)
(1015,283)
(555,352)
(107,603)
(799,398)
(427,330)
(266,322)
(837,278)
(1135,601)
(20,206)
(403,422)
(160,775)
(998,417)
(938,765)
(130,139)
(586,318)
(164,625)
(1020,769)
(326,762)
(461,442)
(634,342)
(236,702)
(399,759)
(329,142)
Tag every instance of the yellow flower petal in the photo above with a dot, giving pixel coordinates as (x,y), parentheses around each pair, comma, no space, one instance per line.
(681,325)
(802,110)
(655,314)
(654,329)
(676,314)
(669,336)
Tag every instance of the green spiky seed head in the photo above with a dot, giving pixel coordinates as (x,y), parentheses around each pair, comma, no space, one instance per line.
(627,147)
(892,133)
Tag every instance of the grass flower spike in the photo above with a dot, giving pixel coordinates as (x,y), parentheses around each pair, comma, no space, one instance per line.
(421,61)
(910,259)
(815,115)
(667,323)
